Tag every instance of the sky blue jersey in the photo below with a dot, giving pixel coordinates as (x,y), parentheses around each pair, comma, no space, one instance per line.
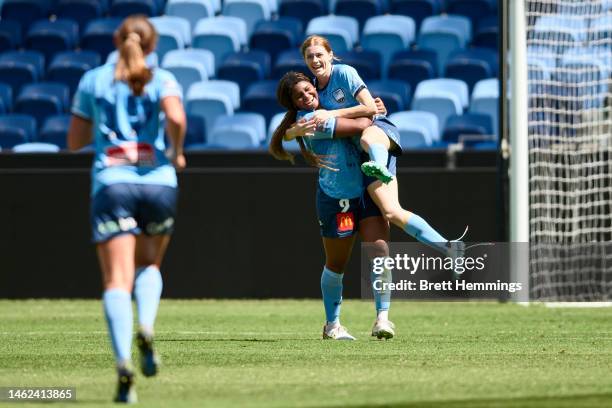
(128,130)
(343,155)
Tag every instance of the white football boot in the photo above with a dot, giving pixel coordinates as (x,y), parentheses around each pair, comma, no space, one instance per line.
(383,329)
(336,332)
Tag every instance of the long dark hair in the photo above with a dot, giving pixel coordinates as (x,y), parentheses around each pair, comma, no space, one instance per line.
(284,96)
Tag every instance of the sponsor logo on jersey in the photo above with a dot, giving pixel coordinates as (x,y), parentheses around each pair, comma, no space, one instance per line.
(339,96)
(345,222)
(130,153)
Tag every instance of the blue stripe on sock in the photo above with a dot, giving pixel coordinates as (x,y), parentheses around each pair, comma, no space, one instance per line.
(331,289)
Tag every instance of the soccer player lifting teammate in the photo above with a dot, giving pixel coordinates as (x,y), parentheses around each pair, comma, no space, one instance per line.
(123,107)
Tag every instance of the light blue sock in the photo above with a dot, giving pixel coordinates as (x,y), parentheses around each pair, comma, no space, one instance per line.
(379,154)
(382,298)
(147,292)
(423,232)
(118,312)
(331,288)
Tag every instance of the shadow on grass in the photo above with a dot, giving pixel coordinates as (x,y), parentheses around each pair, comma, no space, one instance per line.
(226,339)
(569,401)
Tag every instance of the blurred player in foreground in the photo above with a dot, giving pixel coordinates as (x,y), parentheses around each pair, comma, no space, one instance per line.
(122,108)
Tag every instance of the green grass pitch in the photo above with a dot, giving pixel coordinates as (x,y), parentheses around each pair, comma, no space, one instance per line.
(269,354)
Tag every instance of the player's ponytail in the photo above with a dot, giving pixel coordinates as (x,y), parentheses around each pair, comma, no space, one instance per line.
(135,38)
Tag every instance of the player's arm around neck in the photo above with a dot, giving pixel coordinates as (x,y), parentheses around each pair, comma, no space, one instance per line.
(80,133)
(365,109)
(176,126)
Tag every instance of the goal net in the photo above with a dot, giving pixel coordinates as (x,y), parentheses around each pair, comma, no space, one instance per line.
(569,57)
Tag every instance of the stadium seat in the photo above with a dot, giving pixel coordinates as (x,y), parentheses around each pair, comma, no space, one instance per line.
(98,36)
(196,131)
(468,129)
(36,147)
(568,31)
(290,60)
(191,10)
(260,97)
(18,68)
(10,35)
(189,66)
(418,10)
(485,100)
(222,35)
(250,11)
(81,11)
(55,130)
(341,31)
(43,99)
(208,105)
(360,10)
(487,33)
(395,94)
(443,97)
(387,35)
(125,8)
(444,34)
(416,128)
(151,59)
(173,33)
(6,98)
(245,68)
(276,120)
(413,66)
(277,35)
(16,129)
(366,62)
(25,12)
(304,10)
(51,37)
(475,10)
(239,131)
(472,65)
(68,67)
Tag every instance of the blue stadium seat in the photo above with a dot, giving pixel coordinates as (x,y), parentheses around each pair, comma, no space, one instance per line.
(600,30)
(98,36)
(274,123)
(366,62)
(445,34)
(304,10)
(55,130)
(51,37)
(189,66)
(6,98)
(196,131)
(245,68)
(151,59)
(250,11)
(487,33)
(475,10)
(468,129)
(388,34)
(239,131)
(416,128)
(414,66)
(260,97)
(191,10)
(485,100)
(472,65)
(289,60)
(222,35)
(395,94)
(43,99)
(125,8)
(341,31)
(360,10)
(68,67)
(25,11)
(277,35)
(18,68)
(174,33)
(443,97)
(209,105)
(16,129)
(10,35)
(36,147)
(418,10)
(81,11)
(567,31)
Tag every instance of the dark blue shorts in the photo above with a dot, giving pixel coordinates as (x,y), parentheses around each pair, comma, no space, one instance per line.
(340,218)
(391,131)
(132,209)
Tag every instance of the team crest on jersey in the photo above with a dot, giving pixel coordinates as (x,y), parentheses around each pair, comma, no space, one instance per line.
(339,95)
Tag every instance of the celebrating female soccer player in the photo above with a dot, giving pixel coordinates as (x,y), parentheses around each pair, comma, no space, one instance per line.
(123,107)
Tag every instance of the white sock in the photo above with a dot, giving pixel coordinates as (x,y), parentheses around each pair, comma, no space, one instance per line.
(382,315)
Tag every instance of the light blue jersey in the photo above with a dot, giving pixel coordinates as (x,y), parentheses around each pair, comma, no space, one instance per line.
(128,130)
(347,181)
(342,89)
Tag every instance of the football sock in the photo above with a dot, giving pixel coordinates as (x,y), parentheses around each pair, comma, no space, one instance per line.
(118,312)
(379,154)
(147,292)
(382,297)
(423,232)
(331,288)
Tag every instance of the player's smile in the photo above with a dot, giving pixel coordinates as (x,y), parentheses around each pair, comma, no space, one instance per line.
(305,96)
(318,60)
